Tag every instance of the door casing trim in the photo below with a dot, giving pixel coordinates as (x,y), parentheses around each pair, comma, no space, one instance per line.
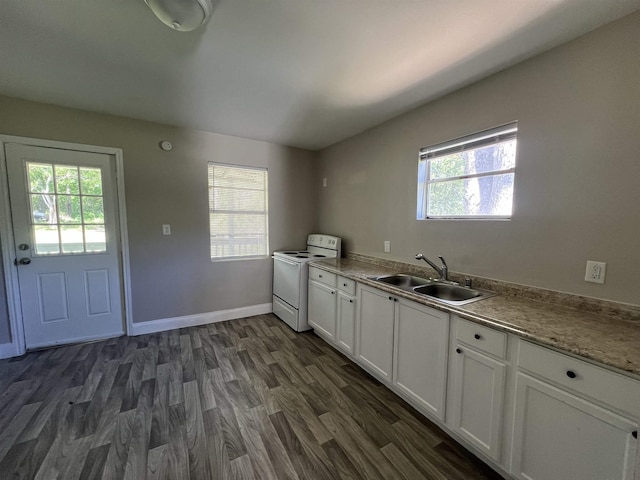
(8,244)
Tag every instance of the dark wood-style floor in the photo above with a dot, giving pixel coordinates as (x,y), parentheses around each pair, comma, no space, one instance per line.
(242,399)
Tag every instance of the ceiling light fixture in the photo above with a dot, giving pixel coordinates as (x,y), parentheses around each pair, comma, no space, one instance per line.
(181,15)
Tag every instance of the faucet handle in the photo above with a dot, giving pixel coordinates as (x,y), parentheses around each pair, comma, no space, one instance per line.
(442,260)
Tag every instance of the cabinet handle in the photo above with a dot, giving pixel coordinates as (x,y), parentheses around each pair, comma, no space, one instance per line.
(390,298)
(319,276)
(571,374)
(458,350)
(350,301)
(344,284)
(332,292)
(635,434)
(395,299)
(477,336)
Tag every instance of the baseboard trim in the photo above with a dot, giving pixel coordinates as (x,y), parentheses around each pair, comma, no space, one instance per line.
(8,350)
(164,324)
(74,341)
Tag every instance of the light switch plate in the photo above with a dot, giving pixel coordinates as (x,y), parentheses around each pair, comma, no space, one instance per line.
(166,229)
(387,246)
(595,271)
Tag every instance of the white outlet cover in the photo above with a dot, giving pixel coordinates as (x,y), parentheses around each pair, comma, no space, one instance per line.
(595,272)
(387,246)
(166,229)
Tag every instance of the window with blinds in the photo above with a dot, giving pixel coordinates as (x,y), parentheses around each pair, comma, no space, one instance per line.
(471,177)
(238,212)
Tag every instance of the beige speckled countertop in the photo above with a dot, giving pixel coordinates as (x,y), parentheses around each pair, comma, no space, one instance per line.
(604,339)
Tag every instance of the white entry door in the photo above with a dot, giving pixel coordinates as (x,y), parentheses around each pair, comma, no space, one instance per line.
(64,213)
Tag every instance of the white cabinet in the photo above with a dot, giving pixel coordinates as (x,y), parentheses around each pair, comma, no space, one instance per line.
(528,410)
(407,344)
(345,333)
(374,344)
(421,337)
(332,310)
(322,303)
(478,373)
(563,427)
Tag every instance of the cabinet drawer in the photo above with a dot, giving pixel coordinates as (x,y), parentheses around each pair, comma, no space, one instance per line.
(603,385)
(322,276)
(482,338)
(347,285)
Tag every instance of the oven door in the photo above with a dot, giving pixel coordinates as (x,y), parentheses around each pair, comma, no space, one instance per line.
(286,280)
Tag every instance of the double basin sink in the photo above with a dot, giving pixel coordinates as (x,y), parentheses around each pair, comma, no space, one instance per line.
(449,293)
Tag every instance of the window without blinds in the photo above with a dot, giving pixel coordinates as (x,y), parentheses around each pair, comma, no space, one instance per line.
(471,177)
(238,213)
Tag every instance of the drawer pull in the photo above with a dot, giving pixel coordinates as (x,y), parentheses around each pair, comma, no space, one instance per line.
(350,301)
(571,374)
(344,284)
(635,434)
(319,276)
(332,292)
(458,350)
(477,336)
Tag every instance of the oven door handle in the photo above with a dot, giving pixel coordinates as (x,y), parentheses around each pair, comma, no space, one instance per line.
(280,259)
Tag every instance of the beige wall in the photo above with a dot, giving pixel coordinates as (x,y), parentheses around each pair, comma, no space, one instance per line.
(577,194)
(172,275)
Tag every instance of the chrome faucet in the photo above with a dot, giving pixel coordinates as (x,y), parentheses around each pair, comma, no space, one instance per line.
(443,271)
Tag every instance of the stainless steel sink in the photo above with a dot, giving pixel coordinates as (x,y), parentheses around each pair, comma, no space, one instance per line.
(403,280)
(452,294)
(449,293)
(445,291)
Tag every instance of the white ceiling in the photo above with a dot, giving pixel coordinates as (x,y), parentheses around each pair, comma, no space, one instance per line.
(305,73)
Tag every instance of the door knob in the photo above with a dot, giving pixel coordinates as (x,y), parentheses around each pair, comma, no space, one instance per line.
(24,261)
(23,247)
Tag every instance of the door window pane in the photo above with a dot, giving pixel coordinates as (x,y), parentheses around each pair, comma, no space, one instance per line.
(67,180)
(91,181)
(40,178)
(67,209)
(92,210)
(95,238)
(46,239)
(43,208)
(71,236)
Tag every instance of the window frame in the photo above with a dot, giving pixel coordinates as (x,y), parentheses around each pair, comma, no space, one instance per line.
(212,210)
(472,141)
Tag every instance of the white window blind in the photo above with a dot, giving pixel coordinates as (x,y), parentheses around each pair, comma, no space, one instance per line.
(238,212)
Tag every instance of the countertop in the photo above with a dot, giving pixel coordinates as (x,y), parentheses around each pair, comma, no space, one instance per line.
(603,339)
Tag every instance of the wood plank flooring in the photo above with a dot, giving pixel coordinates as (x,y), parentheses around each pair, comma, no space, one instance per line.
(244,399)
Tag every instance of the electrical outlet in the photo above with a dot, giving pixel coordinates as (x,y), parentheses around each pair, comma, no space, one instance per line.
(387,246)
(595,271)
(324,182)
(166,229)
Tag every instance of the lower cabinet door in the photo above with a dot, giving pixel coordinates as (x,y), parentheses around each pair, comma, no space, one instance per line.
(375,332)
(322,309)
(477,399)
(346,321)
(421,340)
(558,435)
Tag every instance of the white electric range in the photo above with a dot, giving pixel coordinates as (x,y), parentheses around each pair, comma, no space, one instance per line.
(291,275)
